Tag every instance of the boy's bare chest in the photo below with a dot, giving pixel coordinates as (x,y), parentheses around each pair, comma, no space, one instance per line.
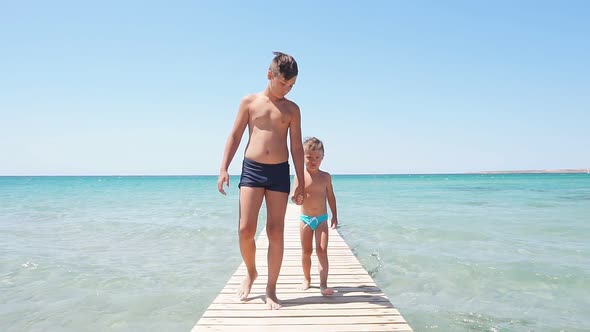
(315,184)
(269,113)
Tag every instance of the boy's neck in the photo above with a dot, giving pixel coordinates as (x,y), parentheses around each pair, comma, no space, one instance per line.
(270,96)
(312,171)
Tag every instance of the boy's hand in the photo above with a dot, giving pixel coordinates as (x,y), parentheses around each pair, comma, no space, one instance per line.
(334,223)
(299,200)
(223,179)
(297,197)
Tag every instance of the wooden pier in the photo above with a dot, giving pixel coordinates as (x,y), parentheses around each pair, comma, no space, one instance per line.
(357,305)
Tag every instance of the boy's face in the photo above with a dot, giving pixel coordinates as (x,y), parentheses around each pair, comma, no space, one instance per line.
(313,160)
(279,86)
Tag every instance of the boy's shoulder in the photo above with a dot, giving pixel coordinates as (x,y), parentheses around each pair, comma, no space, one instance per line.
(295,106)
(325,174)
(250,98)
(291,105)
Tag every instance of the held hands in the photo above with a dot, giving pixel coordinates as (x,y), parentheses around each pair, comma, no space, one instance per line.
(223,179)
(297,197)
(334,223)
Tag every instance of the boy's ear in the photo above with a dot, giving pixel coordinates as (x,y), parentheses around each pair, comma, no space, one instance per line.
(269,74)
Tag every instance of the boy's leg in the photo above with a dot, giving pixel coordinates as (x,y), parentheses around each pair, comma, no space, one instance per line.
(250,202)
(321,249)
(306,235)
(276,207)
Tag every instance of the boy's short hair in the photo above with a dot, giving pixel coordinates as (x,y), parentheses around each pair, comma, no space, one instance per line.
(283,64)
(313,144)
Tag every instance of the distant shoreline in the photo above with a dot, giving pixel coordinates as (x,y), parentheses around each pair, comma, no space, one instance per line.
(537,171)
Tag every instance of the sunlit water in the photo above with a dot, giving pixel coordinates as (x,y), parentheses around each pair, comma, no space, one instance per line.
(452,252)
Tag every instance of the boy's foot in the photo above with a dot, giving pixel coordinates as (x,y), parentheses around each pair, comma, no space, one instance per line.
(272,301)
(246,285)
(305,285)
(326,291)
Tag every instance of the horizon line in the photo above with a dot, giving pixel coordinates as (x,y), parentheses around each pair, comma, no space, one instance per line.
(524,171)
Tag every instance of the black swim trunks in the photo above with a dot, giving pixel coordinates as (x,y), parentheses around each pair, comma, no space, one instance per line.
(273,177)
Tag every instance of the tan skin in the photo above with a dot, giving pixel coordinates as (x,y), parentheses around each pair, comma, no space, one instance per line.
(269,117)
(318,191)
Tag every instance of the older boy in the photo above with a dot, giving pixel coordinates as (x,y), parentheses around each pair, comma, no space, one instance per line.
(314,213)
(265,169)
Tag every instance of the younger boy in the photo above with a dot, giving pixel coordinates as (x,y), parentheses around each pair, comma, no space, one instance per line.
(265,169)
(314,216)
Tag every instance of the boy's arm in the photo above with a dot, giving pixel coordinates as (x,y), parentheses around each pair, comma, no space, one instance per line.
(332,202)
(233,142)
(295,185)
(295,181)
(297,154)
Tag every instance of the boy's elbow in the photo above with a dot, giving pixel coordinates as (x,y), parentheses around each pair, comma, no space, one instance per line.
(235,137)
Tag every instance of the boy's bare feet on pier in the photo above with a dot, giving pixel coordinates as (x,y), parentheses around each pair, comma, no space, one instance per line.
(326,291)
(246,285)
(272,301)
(305,285)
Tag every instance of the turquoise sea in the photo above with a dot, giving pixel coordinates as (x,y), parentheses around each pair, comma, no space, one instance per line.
(453,252)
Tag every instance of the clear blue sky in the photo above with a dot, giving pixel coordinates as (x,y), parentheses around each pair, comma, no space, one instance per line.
(146,87)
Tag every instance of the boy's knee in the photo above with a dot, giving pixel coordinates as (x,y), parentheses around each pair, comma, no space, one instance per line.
(274,230)
(275,237)
(307,252)
(321,252)
(247,232)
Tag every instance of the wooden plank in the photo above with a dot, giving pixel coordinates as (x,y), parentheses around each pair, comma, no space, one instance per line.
(302,313)
(279,319)
(357,305)
(355,288)
(305,327)
(299,278)
(308,306)
(292,298)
